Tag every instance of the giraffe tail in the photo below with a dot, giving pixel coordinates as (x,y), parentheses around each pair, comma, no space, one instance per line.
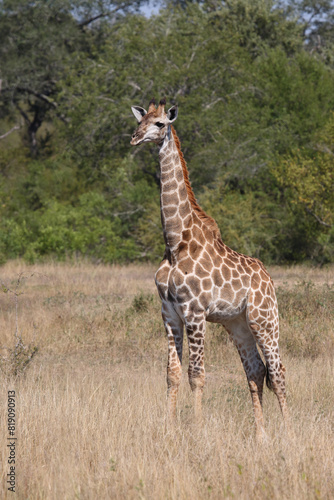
(268,379)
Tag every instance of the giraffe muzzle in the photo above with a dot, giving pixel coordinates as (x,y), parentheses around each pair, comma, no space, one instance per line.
(136,139)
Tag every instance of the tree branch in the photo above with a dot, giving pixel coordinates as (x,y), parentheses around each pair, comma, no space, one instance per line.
(128,212)
(23,113)
(84,23)
(92,19)
(43,97)
(324,149)
(323,223)
(16,127)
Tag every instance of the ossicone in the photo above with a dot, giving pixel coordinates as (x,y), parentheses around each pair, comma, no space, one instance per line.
(151,106)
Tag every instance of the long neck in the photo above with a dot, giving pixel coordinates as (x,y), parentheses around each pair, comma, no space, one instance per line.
(175,192)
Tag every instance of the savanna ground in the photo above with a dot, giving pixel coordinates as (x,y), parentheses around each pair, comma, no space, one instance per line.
(91,400)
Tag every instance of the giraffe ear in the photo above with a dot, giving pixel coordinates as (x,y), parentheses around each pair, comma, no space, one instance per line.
(138,112)
(172,113)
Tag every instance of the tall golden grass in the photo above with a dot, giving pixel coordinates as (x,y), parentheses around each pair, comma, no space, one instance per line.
(91,419)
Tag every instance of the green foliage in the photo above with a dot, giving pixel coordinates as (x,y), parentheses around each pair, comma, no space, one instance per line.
(38,39)
(247,221)
(60,231)
(307,178)
(252,100)
(142,302)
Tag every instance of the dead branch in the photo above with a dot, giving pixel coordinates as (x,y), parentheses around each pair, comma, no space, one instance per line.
(323,223)
(16,127)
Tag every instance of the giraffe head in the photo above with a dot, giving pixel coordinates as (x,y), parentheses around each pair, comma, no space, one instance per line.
(153,124)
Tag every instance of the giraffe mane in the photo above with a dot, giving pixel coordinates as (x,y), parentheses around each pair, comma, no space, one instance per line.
(209,221)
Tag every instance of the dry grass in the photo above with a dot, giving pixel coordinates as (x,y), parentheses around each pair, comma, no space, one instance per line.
(91,403)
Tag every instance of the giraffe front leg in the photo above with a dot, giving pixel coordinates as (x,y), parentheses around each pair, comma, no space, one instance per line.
(196,370)
(174,329)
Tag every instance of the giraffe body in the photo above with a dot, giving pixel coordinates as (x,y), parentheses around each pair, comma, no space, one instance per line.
(200,279)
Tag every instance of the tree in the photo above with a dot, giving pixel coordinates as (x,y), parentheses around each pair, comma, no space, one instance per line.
(307,178)
(316,17)
(252,99)
(36,40)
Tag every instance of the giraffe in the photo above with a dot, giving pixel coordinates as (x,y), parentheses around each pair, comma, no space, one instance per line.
(200,279)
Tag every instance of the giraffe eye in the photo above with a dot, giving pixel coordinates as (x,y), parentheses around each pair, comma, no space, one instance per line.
(159,124)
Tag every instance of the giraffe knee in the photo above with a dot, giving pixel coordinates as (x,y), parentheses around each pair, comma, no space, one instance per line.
(174,376)
(281,376)
(196,378)
(256,382)
(253,387)
(275,379)
(196,383)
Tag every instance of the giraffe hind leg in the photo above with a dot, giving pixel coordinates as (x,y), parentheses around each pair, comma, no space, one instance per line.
(266,335)
(253,366)
(275,380)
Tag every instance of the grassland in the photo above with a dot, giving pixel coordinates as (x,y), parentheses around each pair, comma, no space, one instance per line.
(91,401)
